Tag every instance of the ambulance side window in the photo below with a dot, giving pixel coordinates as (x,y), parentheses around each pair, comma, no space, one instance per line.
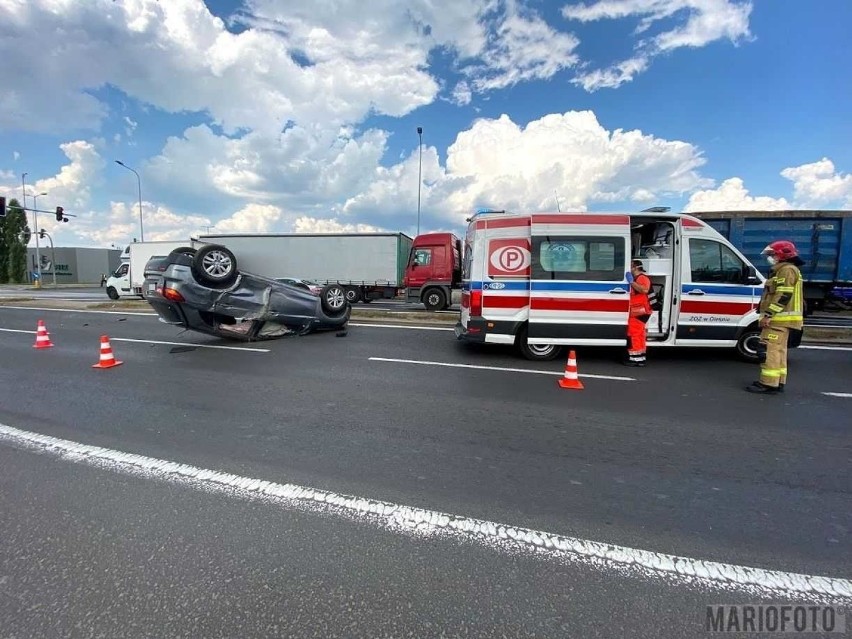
(467,262)
(578,258)
(713,262)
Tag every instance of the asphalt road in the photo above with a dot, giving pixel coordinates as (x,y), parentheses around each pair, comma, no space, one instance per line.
(676,460)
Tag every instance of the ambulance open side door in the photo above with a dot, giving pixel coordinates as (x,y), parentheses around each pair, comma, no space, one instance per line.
(578,291)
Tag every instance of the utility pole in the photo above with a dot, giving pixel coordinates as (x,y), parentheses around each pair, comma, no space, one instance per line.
(558,210)
(35,228)
(419,175)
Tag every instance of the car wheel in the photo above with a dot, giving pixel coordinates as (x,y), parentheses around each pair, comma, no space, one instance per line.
(536,352)
(215,265)
(113,294)
(434,299)
(333,299)
(747,344)
(353,295)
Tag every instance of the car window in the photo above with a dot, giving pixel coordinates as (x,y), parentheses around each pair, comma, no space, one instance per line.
(422,257)
(578,258)
(122,270)
(713,262)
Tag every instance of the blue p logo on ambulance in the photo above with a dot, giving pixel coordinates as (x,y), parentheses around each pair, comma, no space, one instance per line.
(509,258)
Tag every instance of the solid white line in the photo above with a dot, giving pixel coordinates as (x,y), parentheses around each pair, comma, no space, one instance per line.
(154,341)
(75,310)
(826,348)
(838,394)
(421,523)
(496,368)
(412,327)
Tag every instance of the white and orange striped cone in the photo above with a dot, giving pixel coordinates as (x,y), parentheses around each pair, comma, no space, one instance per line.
(42,336)
(107,359)
(570,379)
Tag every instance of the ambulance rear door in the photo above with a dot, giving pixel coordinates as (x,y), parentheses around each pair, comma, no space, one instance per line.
(578,291)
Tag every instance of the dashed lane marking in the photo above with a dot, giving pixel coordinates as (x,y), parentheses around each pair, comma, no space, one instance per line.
(422,523)
(849,395)
(496,368)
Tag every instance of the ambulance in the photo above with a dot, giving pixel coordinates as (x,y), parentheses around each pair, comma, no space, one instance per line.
(546,281)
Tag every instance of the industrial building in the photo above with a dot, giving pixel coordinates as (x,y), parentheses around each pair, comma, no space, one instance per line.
(72,265)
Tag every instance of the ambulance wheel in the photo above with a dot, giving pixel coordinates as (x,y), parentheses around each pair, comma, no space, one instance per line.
(536,352)
(747,344)
(434,299)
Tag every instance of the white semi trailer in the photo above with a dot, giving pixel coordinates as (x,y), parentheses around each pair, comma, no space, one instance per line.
(367,265)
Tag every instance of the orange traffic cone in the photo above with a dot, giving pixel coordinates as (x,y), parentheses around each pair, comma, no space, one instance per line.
(107,358)
(571,379)
(42,337)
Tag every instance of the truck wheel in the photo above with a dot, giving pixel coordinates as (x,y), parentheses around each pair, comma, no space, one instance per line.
(434,299)
(333,299)
(536,352)
(353,295)
(215,265)
(747,344)
(113,294)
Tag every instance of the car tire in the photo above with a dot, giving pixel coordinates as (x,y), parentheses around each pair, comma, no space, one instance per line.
(434,299)
(333,299)
(215,265)
(353,294)
(536,352)
(747,344)
(112,293)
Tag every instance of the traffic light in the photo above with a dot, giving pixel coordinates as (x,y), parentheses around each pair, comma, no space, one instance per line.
(41,234)
(2,207)
(59,213)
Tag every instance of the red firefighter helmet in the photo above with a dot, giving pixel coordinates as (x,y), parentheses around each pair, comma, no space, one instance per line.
(782,250)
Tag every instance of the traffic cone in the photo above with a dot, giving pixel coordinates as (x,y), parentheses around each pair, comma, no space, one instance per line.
(42,337)
(107,358)
(571,379)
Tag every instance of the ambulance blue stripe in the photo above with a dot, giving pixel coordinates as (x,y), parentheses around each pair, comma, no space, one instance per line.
(586,287)
(720,290)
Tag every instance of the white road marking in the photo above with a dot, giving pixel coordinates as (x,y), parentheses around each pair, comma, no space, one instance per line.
(838,394)
(75,310)
(412,327)
(420,522)
(154,341)
(825,348)
(496,368)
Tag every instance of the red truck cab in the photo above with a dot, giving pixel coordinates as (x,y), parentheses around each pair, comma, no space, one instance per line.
(433,270)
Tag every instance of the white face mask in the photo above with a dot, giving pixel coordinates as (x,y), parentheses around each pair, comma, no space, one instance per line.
(772,260)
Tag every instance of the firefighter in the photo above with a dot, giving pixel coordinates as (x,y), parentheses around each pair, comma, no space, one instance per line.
(640,313)
(781,310)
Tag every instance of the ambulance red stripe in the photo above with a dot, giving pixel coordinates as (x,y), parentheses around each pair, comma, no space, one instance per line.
(715,308)
(581,219)
(505,301)
(503,224)
(563,304)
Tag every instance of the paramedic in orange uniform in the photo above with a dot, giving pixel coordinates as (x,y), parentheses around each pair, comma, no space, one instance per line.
(640,313)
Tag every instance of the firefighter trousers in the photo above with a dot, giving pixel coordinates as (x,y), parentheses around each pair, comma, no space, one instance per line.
(773,370)
(636,343)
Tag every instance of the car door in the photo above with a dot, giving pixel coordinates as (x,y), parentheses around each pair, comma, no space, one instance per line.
(716,297)
(578,290)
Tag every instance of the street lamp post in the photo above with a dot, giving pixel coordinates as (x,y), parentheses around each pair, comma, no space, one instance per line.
(42,232)
(419,175)
(35,227)
(139,185)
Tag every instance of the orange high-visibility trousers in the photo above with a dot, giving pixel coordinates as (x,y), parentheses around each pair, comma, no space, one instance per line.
(636,343)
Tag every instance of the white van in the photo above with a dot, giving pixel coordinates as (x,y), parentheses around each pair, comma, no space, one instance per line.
(544,281)
(128,278)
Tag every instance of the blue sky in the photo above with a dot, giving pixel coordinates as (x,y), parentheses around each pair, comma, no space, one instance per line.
(265,116)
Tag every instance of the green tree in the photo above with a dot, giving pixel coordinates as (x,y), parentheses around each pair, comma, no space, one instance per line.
(14,237)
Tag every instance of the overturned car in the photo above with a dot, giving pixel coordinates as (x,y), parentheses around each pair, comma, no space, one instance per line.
(203,290)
